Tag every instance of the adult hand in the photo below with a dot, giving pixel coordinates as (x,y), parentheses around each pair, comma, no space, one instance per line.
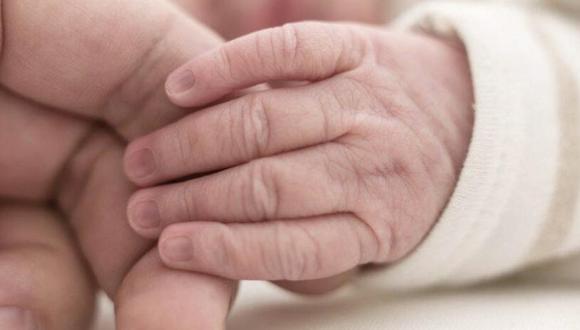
(81,79)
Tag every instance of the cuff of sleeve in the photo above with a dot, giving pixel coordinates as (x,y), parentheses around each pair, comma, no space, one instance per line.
(491,221)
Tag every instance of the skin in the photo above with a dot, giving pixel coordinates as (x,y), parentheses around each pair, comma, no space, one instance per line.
(233,18)
(75,175)
(351,168)
(79,81)
(39,261)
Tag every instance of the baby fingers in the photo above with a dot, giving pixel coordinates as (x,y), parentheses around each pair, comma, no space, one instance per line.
(302,183)
(229,134)
(299,249)
(303,51)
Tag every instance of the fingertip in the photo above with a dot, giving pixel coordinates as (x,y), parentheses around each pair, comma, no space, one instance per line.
(176,246)
(144,215)
(180,81)
(179,87)
(140,163)
(176,250)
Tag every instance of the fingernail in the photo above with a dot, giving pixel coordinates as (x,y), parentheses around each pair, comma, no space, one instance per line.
(15,318)
(146,215)
(178,249)
(141,163)
(180,81)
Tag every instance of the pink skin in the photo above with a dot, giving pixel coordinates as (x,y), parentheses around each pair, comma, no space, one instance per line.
(39,261)
(233,18)
(312,181)
(79,79)
(83,81)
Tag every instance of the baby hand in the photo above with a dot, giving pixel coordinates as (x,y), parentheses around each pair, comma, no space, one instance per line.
(352,167)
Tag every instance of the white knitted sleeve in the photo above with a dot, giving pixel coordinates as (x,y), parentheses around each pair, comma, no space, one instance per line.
(517,202)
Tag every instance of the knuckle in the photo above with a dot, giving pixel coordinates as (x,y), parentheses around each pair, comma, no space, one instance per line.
(385,242)
(186,198)
(359,46)
(344,170)
(185,140)
(278,48)
(294,259)
(373,175)
(231,123)
(256,130)
(266,52)
(377,241)
(262,192)
(293,265)
(281,48)
(289,40)
(353,94)
(226,64)
(320,48)
(223,251)
(330,116)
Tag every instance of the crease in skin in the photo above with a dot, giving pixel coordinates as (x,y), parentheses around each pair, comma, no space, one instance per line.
(83,260)
(117,99)
(81,171)
(94,131)
(22,120)
(137,94)
(100,148)
(61,176)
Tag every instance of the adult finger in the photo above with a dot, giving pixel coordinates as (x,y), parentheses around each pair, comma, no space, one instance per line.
(301,51)
(236,132)
(44,283)
(300,249)
(297,184)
